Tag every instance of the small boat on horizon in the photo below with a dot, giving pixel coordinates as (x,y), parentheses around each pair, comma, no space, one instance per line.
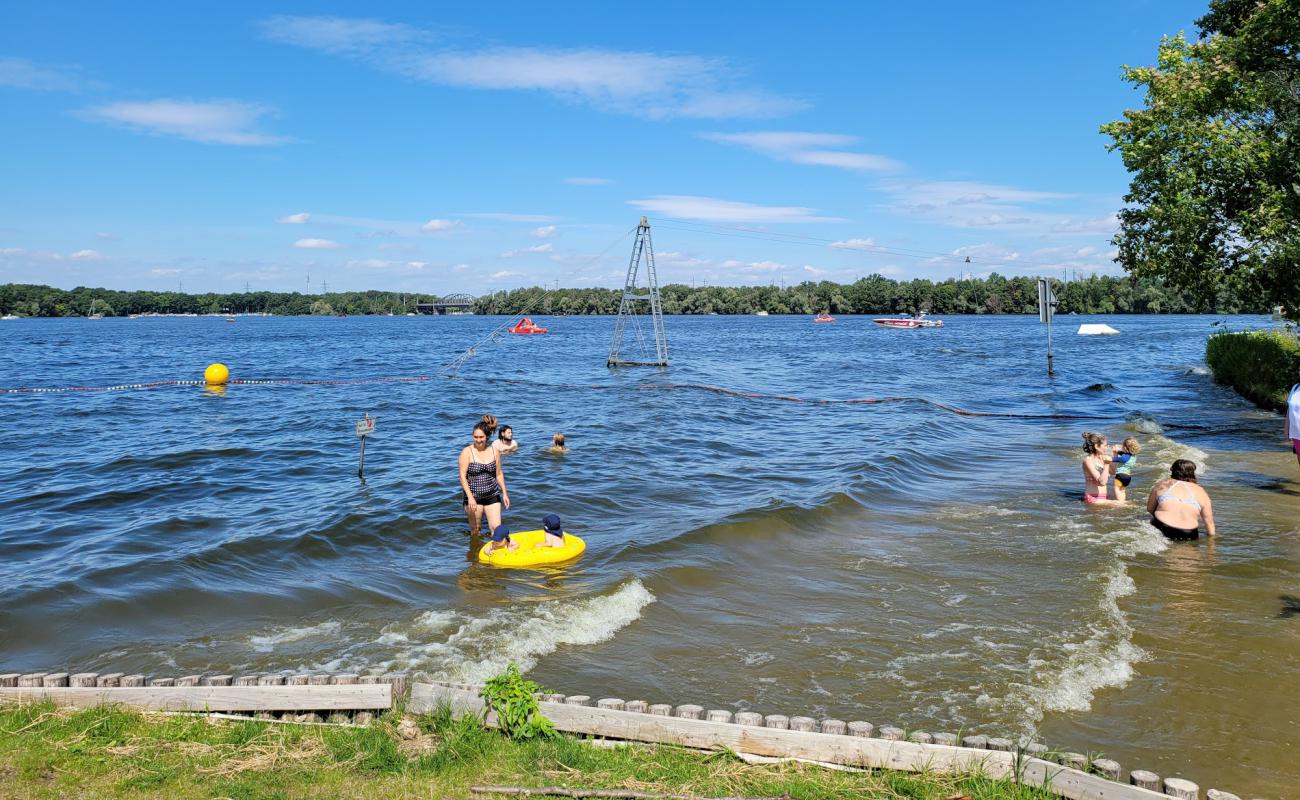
(823,317)
(760,313)
(909,323)
(93,314)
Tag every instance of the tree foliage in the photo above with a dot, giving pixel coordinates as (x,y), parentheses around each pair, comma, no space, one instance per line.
(1214,202)
(874,294)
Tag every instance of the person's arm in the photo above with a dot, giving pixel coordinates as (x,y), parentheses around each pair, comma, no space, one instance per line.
(1207,513)
(501,481)
(463,464)
(1152,502)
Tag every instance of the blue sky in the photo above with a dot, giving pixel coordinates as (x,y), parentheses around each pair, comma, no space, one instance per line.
(471,147)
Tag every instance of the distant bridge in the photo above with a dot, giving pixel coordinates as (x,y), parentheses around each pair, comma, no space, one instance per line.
(451,304)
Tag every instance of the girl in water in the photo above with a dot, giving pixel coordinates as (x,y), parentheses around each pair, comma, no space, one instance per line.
(482,481)
(1178,505)
(1095,470)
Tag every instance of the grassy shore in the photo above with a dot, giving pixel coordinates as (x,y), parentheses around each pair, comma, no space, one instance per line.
(111,753)
(1260,365)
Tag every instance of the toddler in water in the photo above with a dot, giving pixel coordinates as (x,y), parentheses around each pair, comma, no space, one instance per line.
(557,444)
(1121,464)
(554,531)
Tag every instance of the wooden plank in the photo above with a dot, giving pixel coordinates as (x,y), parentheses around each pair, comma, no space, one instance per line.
(213,698)
(853,751)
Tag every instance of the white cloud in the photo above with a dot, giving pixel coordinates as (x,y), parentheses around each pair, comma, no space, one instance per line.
(211,122)
(544,232)
(507,217)
(317,244)
(673,258)
(716,210)
(505,274)
(12,251)
(753,266)
(460,267)
(991,220)
(339,35)
(643,84)
(588,181)
(545,247)
(854,244)
(811,270)
(86,255)
(109,237)
(802,147)
(295,219)
(987,252)
(1108,224)
(20,73)
(371,263)
(441,225)
(164,271)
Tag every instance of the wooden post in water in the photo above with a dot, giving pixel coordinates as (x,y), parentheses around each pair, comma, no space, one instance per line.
(365,427)
(861,729)
(9,680)
(1047,310)
(1181,789)
(84,679)
(1144,779)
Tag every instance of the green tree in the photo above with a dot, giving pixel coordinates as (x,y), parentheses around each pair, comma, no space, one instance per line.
(1214,202)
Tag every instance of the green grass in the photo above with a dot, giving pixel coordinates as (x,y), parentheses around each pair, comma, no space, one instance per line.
(111,753)
(1260,365)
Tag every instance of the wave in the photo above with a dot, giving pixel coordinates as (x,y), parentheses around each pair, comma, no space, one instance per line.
(268,643)
(1104,659)
(448,644)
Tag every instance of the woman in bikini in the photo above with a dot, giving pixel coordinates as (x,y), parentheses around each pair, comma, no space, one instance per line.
(1178,505)
(1096,473)
(482,481)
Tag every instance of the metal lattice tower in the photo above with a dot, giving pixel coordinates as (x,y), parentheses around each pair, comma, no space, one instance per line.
(642,249)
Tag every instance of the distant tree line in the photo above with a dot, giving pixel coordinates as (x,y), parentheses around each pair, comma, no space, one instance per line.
(46,301)
(875,294)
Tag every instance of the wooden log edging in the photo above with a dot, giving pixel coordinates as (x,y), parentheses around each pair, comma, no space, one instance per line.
(339,698)
(854,744)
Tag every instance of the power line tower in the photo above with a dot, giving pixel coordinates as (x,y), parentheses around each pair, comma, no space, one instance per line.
(642,250)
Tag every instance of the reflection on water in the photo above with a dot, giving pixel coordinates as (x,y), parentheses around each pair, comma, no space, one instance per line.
(892,562)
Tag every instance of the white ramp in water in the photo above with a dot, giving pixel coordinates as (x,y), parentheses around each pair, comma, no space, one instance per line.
(1096,330)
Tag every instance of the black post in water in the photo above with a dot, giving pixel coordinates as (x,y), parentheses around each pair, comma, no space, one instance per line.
(365,427)
(1047,310)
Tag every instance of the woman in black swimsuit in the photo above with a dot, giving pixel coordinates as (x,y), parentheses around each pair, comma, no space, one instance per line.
(482,481)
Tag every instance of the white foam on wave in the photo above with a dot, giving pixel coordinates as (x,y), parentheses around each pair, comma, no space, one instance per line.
(1102,659)
(453,645)
(268,643)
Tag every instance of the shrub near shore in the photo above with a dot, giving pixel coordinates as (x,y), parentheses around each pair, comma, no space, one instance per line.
(1260,365)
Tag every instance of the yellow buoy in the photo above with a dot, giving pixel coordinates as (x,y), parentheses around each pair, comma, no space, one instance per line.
(216,375)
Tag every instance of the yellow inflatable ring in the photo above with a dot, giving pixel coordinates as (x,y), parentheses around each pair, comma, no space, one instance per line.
(531,553)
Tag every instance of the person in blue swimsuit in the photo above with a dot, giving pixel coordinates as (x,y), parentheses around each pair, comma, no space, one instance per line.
(482,480)
(1178,505)
(1121,466)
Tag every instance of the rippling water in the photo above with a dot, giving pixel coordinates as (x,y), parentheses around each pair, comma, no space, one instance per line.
(892,562)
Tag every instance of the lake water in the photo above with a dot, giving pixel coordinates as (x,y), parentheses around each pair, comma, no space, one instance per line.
(891,562)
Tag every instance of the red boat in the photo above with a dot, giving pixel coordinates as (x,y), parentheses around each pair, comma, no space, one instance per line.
(823,317)
(526,325)
(908,323)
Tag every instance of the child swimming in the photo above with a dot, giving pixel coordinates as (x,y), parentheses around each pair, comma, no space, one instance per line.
(1121,465)
(554,531)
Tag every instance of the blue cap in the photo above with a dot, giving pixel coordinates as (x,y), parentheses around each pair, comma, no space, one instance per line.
(551,524)
(500,533)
